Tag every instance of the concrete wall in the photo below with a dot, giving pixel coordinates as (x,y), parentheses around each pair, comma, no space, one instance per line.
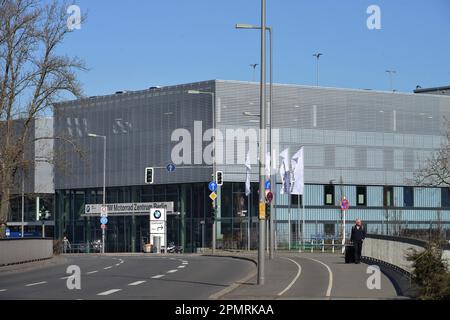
(27,250)
(394,250)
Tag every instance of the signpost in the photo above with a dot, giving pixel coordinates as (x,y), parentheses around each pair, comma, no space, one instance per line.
(158,226)
(344,207)
(104,215)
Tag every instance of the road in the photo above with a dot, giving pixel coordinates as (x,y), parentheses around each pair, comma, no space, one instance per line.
(181,277)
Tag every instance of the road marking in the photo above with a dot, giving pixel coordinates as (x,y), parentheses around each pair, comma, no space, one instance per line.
(92,272)
(185,262)
(3,290)
(107,293)
(299,272)
(330,281)
(64,278)
(158,277)
(136,283)
(107,268)
(172,271)
(35,284)
(181,267)
(117,264)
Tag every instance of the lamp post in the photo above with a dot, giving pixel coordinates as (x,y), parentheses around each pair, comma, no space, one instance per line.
(91,135)
(391,72)
(317,55)
(272,176)
(217,208)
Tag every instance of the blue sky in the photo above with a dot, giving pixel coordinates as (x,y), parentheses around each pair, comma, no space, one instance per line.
(136,44)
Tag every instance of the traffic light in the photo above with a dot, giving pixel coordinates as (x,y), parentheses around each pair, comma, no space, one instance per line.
(219,178)
(149,175)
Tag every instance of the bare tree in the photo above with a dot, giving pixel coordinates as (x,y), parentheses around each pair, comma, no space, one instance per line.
(435,171)
(33,76)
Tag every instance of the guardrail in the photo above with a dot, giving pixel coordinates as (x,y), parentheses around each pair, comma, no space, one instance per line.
(15,251)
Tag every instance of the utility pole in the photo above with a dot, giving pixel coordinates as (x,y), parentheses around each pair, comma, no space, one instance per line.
(391,72)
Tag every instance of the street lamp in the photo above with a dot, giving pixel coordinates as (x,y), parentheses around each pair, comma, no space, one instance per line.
(216,210)
(91,135)
(317,55)
(391,72)
(273,177)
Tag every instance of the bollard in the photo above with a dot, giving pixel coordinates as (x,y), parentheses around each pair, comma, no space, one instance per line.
(323,245)
(312,246)
(332,245)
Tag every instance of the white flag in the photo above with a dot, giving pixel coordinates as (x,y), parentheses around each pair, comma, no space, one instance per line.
(267,166)
(284,172)
(249,170)
(298,170)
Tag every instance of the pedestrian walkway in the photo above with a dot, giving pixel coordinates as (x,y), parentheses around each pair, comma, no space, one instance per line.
(311,276)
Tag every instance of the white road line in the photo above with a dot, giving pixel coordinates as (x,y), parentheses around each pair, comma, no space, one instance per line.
(107,268)
(64,278)
(172,271)
(185,262)
(299,272)
(3,290)
(158,277)
(35,284)
(92,272)
(117,264)
(107,293)
(136,283)
(330,281)
(181,267)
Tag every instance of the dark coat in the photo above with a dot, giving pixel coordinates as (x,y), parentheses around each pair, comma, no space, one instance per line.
(358,235)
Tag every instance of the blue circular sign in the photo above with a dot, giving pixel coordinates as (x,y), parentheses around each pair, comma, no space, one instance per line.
(268,185)
(213,186)
(104,220)
(157,214)
(8,232)
(171,167)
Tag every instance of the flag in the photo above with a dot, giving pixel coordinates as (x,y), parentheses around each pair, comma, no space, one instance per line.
(249,170)
(267,166)
(298,173)
(284,172)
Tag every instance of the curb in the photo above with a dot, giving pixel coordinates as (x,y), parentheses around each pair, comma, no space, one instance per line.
(236,284)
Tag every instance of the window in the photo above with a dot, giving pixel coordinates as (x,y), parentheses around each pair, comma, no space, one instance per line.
(388,196)
(408,196)
(296,200)
(361,195)
(329,229)
(329,195)
(445,197)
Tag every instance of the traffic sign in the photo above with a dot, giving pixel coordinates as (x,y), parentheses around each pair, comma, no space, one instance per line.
(8,232)
(213,196)
(268,185)
(213,186)
(171,167)
(104,211)
(103,226)
(104,220)
(269,197)
(344,204)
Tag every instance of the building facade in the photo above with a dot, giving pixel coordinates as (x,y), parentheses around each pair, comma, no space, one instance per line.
(361,144)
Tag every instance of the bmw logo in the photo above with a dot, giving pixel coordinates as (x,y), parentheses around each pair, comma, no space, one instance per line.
(88,209)
(157,214)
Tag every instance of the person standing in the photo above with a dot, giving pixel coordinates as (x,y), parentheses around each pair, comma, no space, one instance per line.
(357,238)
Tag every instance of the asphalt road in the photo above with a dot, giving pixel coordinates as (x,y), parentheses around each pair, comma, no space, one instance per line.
(187,277)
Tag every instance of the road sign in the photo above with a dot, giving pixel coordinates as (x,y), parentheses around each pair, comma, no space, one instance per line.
(104,211)
(104,220)
(213,186)
(171,167)
(157,227)
(8,232)
(213,196)
(269,197)
(103,226)
(268,185)
(344,204)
